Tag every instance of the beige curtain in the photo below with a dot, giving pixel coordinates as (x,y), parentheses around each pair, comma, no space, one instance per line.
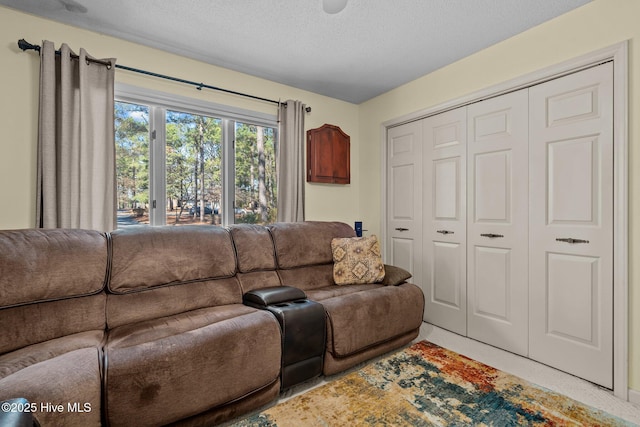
(76,149)
(291,170)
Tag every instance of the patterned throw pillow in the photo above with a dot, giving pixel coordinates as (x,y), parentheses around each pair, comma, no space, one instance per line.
(357,260)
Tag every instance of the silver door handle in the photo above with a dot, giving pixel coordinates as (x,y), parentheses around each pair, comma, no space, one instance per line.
(401,229)
(444,231)
(491,235)
(571,240)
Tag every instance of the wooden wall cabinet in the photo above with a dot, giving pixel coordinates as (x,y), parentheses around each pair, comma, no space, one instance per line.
(328,155)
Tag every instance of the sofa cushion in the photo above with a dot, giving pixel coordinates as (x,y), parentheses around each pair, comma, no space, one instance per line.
(151,330)
(321,294)
(71,378)
(34,323)
(307,278)
(394,276)
(14,361)
(42,265)
(387,312)
(169,300)
(299,244)
(256,257)
(163,371)
(254,247)
(257,280)
(357,260)
(150,257)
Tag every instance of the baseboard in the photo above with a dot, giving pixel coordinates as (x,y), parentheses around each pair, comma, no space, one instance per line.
(634,396)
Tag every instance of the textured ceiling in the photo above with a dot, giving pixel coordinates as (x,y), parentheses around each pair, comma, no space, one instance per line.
(370,47)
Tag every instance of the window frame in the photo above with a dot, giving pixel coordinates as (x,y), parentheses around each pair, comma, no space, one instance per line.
(158,103)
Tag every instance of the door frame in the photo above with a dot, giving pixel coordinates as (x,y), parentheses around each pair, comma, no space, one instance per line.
(618,53)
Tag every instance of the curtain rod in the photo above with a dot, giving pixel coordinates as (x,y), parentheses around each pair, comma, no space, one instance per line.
(25,45)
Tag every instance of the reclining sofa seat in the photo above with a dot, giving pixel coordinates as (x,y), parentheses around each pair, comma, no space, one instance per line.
(44,356)
(178,335)
(363,320)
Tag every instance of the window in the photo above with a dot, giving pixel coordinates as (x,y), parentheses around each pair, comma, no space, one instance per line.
(180,161)
(132,160)
(255,180)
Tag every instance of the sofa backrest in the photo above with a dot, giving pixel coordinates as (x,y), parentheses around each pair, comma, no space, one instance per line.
(46,272)
(255,255)
(161,271)
(303,252)
(150,272)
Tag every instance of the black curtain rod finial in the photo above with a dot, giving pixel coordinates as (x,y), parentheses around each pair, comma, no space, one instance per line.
(25,45)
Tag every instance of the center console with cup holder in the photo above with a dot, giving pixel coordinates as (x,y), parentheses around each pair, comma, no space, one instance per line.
(303,330)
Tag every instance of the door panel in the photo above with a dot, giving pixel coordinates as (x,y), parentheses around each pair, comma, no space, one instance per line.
(574,105)
(492,293)
(497,227)
(404,198)
(446,188)
(492,187)
(494,124)
(402,251)
(571,281)
(444,265)
(572,297)
(447,280)
(569,202)
(403,187)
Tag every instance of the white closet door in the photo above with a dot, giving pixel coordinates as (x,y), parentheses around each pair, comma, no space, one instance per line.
(404,198)
(571,252)
(497,153)
(444,201)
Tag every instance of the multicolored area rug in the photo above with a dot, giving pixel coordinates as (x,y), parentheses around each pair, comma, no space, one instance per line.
(427,385)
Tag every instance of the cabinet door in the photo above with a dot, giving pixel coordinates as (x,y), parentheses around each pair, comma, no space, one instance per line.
(341,159)
(497,153)
(571,224)
(404,198)
(444,248)
(328,155)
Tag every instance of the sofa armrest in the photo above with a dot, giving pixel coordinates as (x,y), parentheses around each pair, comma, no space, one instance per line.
(273,295)
(17,413)
(394,276)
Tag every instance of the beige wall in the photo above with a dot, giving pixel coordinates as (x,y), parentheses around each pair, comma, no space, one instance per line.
(19,109)
(596,25)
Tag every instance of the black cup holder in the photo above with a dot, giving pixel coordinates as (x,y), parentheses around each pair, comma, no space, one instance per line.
(301,301)
(282,304)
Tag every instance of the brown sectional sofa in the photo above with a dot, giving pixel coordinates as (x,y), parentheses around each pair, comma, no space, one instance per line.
(146,326)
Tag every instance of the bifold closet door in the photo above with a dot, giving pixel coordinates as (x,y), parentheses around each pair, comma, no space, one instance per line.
(571,224)
(497,223)
(404,198)
(444,268)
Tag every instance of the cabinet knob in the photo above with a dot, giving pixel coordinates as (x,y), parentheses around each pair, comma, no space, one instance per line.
(401,229)
(491,235)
